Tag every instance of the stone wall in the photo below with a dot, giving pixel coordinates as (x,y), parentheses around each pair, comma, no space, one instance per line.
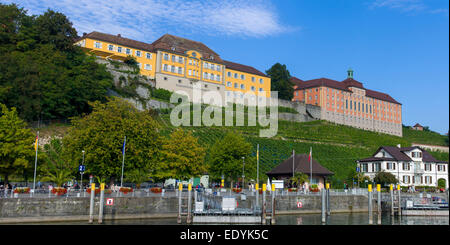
(50,208)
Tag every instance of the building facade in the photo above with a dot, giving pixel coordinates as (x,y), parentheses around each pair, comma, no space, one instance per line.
(349,103)
(412,166)
(179,64)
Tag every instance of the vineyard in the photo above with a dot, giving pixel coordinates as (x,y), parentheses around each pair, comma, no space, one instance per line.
(336,147)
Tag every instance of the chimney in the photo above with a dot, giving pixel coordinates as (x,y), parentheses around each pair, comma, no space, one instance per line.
(119,35)
(84,34)
(399,146)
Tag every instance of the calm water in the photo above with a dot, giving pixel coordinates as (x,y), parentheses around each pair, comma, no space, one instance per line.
(303,219)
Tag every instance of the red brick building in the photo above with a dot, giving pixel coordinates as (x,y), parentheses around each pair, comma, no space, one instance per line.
(349,103)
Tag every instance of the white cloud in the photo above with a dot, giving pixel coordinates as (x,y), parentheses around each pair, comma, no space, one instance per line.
(147,20)
(410,6)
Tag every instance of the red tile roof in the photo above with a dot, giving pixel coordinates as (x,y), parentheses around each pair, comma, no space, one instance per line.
(344,86)
(243,68)
(118,40)
(398,154)
(181,45)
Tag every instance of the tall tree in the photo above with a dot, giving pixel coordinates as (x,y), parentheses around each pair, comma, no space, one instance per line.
(101,135)
(56,169)
(16,143)
(226,157)
(280,81)
(42,73)
(182,157)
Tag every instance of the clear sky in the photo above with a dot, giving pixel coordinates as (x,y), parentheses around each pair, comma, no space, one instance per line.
(399,47)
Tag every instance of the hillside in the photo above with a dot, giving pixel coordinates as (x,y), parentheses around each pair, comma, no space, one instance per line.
(336,147)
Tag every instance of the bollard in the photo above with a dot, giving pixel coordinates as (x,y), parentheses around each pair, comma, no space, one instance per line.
(91,209)
(391,192)
(100,208)
(399,190)
(264,204)
(323,205)
(189,218)
(379,203)
(180,190)
(257,195)
(369,188)
(328,199)
(273,205)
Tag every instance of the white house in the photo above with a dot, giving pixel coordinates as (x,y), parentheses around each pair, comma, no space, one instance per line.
(412,166)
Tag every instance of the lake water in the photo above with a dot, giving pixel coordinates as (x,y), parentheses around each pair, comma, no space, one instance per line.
(303,219)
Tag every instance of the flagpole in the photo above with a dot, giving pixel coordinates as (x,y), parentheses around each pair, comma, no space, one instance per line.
(293,160)
(123,159)
(257,164)
(310,164)
(35,161)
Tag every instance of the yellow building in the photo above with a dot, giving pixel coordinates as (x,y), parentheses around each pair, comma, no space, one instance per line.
(176,64)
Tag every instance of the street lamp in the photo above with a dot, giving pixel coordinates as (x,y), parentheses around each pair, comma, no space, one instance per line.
(243,174)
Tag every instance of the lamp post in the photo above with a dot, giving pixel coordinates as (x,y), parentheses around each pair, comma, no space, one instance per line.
(243,173)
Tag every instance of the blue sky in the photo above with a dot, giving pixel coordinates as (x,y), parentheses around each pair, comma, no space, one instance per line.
(400,47)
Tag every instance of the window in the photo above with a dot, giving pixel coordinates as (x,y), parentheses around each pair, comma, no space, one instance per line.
(205,65)
(205,75)
(253,88)
(229,74)
(172,69)
(190,62)
(173,58)
(260,89)
(128,51)
(364,168)
(218,78)
(261,81)
(138,53)
(296,93)
(180,70)
(235,85)
(235,75)
(242,86)
(119,49)
(242,77)
(180,59)
(148,67)
(427,167)
(212,66)
(190,72)
(218,68)
(406,166)
(253,79)
(139,65)
(97,44)
(149,55)
(165,68)
(377,167)
(111,47)
(229,84)
(166,57)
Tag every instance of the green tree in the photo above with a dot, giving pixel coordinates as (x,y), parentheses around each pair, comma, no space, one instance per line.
(137,176)
(226,157)
(182,157)
(56,169)
(16,143)
(101,135)
(299,179)
(280,81)
(42,73)
(385,178)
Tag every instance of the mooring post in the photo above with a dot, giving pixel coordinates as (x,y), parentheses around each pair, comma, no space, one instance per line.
(91,209)
(180,191)
(399,200)
(273,205)
(264,204)
(379,203)
(323,192)
(369,188)
(257,195)
(189,214)
(328,199)
(391,191)
(100,208)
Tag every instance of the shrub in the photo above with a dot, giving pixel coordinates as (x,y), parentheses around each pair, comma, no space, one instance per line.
(156,189)
(22,190)
(162,94)
(125,190)
(237,190)
(59,191)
